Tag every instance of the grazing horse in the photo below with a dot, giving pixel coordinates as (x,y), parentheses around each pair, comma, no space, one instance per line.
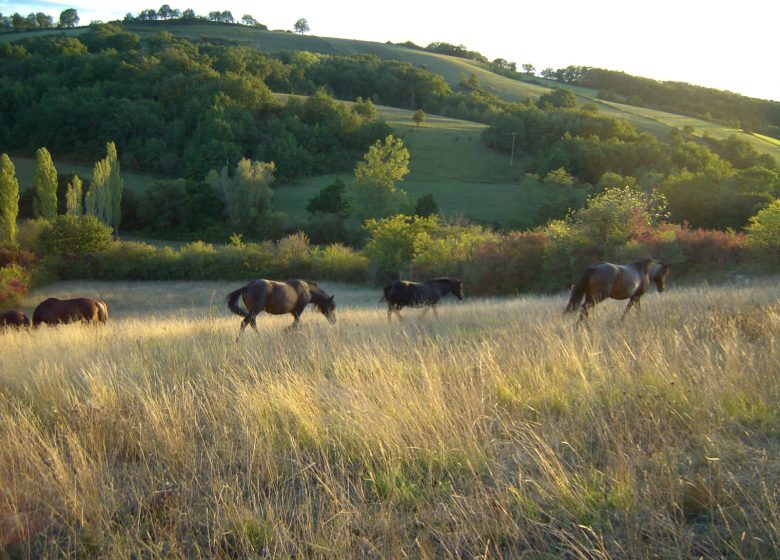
(617,281)
(279,298)
(403,293)
(14,319)
(54,311)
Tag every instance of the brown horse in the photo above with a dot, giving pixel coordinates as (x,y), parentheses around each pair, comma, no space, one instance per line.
(54,311)
(14,319)
(403,293)
(279,298)
(606,280)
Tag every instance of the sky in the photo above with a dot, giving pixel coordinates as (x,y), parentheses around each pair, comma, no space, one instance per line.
(713,43)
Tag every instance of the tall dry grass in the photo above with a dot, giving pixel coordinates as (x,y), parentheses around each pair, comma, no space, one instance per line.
(499,430)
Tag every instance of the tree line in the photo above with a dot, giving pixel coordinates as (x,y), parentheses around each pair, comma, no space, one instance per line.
(724,107)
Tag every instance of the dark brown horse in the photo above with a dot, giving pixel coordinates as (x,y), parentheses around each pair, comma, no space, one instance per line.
(279,298)
(14,319)
(403,293)
(54,311)
(606,280)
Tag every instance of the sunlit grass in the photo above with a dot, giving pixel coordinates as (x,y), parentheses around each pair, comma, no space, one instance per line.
(498,429)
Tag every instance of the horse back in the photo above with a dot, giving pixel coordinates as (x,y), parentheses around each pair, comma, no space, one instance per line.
(14,319)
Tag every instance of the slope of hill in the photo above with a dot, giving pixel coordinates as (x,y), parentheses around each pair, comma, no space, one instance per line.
(658,123)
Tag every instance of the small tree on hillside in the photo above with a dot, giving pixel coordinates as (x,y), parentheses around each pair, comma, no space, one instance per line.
(69,18)
(9,201)
(330,200)
(426,206)
(302,26)
(375,194)
(44,186)
(419,117)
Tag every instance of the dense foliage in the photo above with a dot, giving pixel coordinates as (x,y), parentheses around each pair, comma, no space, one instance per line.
(724,107)
(173,107)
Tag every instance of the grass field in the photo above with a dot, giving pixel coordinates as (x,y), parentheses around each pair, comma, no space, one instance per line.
(499,430)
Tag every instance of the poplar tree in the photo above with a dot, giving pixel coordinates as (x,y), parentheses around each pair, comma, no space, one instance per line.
(9,200)
(44,186)
(104,197)
(116,187)
(73,196)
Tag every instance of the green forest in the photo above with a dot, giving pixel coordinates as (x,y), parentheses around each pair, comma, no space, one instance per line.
(217,127)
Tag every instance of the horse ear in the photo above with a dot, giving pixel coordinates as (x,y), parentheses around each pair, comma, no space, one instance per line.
(331,298)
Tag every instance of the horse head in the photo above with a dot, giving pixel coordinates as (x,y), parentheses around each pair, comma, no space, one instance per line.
(328,308)
(659,275)
(457,289)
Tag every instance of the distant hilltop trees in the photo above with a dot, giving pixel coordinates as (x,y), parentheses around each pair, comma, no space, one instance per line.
(39,20)
(70,18)
(166,13)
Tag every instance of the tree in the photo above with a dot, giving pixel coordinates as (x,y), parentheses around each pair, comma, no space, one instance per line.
(69,18)
(375,194)
(189,13)
(764,228)
(529,68)
(618,215)
(104,198)
(330,200)
(165,12)
(302,26)
(44,21)
(227,16)
(419,116)
(557,98)
(73,197)
(247,19)
(426,206)
(247,194)
(116,185)
(9,200)
(44,186)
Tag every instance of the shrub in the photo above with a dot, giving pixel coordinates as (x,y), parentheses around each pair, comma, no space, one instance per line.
(508,264)
(339,263)
(764,229)
(71,236)
(14,281)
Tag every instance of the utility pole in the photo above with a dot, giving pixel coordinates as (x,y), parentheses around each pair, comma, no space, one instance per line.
(512,157)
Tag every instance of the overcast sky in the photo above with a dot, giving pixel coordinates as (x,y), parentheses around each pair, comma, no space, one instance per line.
(725,45)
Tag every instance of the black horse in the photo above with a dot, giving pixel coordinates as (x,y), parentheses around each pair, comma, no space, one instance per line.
(279,298)
(15,319)
(403,293)
(606,280)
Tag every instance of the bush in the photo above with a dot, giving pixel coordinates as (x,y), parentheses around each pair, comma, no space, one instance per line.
(339,263)
(508,264)
(763,231)
(14,281)
(71,236)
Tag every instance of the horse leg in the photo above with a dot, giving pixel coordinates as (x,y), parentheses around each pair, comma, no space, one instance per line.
(634,301)
(244,323)
(589,302)
(389,313)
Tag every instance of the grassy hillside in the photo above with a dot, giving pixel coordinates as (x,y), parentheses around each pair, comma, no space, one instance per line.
(158,435)
(448,160)
(656,122)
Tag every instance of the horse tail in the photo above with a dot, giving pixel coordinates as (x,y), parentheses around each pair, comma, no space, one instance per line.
(578,290)
(232,302)
(102,311)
